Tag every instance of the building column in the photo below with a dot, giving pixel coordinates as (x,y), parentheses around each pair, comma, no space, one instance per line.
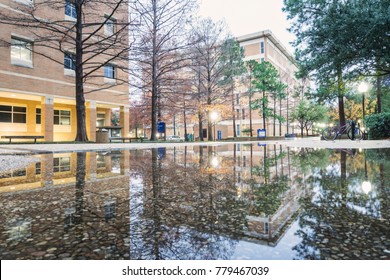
(91,117)
(124,121)
(47,165)
(47,118)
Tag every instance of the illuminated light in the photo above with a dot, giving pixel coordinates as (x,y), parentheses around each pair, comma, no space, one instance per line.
(366,187)
(363,87)
(214,115)
(215,162)
(360,150)
(13,95)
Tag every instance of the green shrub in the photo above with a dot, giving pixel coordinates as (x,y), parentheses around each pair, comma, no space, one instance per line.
(378,126)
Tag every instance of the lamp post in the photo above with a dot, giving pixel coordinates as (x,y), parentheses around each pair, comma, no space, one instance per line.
(363,88)
(214,117)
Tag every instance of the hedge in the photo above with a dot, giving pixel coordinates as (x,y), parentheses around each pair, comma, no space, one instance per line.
(378,126)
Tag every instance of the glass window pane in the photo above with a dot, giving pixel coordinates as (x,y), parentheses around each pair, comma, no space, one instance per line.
(65,113)
(56,112)
(65,120)
(38,110)
(5,117)
(5,108)
(19,118)
(38,119)
(20,109)
(56,120)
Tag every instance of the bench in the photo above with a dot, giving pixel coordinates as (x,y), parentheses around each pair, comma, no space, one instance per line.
(130,139)
(23,137)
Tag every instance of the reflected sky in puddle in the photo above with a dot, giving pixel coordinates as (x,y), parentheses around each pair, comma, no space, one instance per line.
(233,201)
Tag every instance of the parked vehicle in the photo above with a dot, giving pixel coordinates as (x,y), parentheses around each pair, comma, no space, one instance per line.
(174,138)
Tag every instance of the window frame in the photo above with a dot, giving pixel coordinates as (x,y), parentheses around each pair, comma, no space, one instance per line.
(109,21)
(112,71)
(72,58)
(70,10)
(12,112)
(61,115)
(18,46)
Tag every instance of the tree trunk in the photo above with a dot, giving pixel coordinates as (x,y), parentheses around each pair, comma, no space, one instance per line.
(340,89)
(280,113)
(200,126)
(185,123)
(302,131)
(275,115)
(379,93)
(263,109)
(153,135)
(234,114)
(81,134)
(250,113)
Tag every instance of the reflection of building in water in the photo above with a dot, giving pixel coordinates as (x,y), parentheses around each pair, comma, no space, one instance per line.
(75,203)
(214,191)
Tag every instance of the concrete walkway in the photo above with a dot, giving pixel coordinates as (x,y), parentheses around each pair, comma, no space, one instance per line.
(298,143)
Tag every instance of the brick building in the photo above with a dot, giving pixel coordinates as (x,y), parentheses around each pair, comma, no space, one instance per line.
(37,84)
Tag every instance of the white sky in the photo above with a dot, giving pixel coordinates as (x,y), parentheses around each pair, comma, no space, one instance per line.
(249,16)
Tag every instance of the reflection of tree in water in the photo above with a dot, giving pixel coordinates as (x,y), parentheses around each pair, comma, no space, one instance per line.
(341,221)
(267,192)
(184,213)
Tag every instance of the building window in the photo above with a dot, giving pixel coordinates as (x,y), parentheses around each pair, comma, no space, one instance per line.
(38,115)
(70,9)
(38,168)
(100,119)
(262,60)
(61,164)
(12,114)
(109,71)
(21,50)
(243,114)
(109,209)
(61,117)
(261,47)
(238,131)
(238,113)
(70,61)
(109,27)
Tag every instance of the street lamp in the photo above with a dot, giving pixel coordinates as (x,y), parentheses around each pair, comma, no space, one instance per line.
(363,88)
(214,117)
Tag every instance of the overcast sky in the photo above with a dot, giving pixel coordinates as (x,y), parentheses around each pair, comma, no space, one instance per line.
(249,16)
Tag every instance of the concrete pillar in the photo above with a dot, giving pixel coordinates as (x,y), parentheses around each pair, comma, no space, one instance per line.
(92,166)
(125,162)
(31,119)
(91,120)
(47,170)
(124,121)
(47,118)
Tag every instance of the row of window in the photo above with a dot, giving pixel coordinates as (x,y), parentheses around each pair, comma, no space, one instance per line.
(21,50)
(109,25)
(16,114)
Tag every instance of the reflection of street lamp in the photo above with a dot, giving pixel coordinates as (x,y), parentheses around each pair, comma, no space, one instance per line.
(214,117)
(215,162)
(366,187)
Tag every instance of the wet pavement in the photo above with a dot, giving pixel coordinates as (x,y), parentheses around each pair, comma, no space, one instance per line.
(234,201)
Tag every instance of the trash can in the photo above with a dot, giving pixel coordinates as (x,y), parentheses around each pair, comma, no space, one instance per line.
(102,136)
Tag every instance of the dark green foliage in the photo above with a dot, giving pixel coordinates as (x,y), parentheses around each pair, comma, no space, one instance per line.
(378,126)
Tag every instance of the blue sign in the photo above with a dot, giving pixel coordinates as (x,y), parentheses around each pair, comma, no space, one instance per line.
(219,135)
(261,145)
(161,152)
(161,127)
(261,133)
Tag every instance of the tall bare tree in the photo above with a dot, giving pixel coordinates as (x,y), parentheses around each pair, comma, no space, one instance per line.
(89,40)
(207,52)
(160,40)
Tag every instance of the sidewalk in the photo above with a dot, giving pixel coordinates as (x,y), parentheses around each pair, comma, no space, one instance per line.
(296,143)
